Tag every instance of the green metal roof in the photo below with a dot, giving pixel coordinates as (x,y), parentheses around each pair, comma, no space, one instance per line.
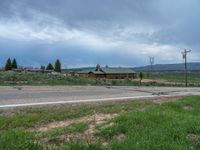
(105,70)
(98,72)
(84,71)
(117,70)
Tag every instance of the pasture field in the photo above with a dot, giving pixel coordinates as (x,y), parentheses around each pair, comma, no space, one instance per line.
(13,78)
(193,78)
(144,124)
(155,79)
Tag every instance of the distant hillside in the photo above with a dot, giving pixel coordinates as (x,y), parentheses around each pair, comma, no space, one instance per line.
(170,67)
(194,67)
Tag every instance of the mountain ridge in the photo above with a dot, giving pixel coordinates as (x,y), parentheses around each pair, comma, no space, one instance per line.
(179,67)
(195,66)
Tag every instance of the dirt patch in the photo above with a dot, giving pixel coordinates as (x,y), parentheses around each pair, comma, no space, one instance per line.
(187,108)
(74,137)
(94,119)
(98,119)
(8,113)
(162,100)
(161,82)
(192,137)
(120,136)
(107,125)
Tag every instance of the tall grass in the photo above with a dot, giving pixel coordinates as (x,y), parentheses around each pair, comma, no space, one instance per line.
(143,124)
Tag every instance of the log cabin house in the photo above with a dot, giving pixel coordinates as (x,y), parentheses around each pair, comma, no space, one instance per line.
(108,72)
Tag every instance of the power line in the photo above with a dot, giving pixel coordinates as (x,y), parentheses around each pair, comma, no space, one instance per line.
(151,61)
(184,53)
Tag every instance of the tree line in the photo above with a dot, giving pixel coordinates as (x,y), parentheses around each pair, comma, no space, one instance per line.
(57,66)
(12,64)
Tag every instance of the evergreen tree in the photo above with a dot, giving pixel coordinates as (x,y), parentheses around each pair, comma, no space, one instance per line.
(8,65)
(141,77)
(42,67)
(57,66)
(49,67)
(14,64)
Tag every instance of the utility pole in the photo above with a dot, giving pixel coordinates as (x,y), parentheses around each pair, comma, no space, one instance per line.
(184,53)
(151,61)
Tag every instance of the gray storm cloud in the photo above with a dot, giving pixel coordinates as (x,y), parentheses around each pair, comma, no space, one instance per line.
(105,28)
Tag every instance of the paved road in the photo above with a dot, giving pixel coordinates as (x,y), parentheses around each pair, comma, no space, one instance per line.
(43,95)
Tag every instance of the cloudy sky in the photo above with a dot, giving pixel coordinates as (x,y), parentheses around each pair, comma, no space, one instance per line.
(108,32)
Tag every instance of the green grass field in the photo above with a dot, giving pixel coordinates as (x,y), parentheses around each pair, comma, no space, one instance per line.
(193,78)
(114,126)
(13,78)
(161,79)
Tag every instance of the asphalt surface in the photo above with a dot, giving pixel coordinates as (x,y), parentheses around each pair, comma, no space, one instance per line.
(45,95)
